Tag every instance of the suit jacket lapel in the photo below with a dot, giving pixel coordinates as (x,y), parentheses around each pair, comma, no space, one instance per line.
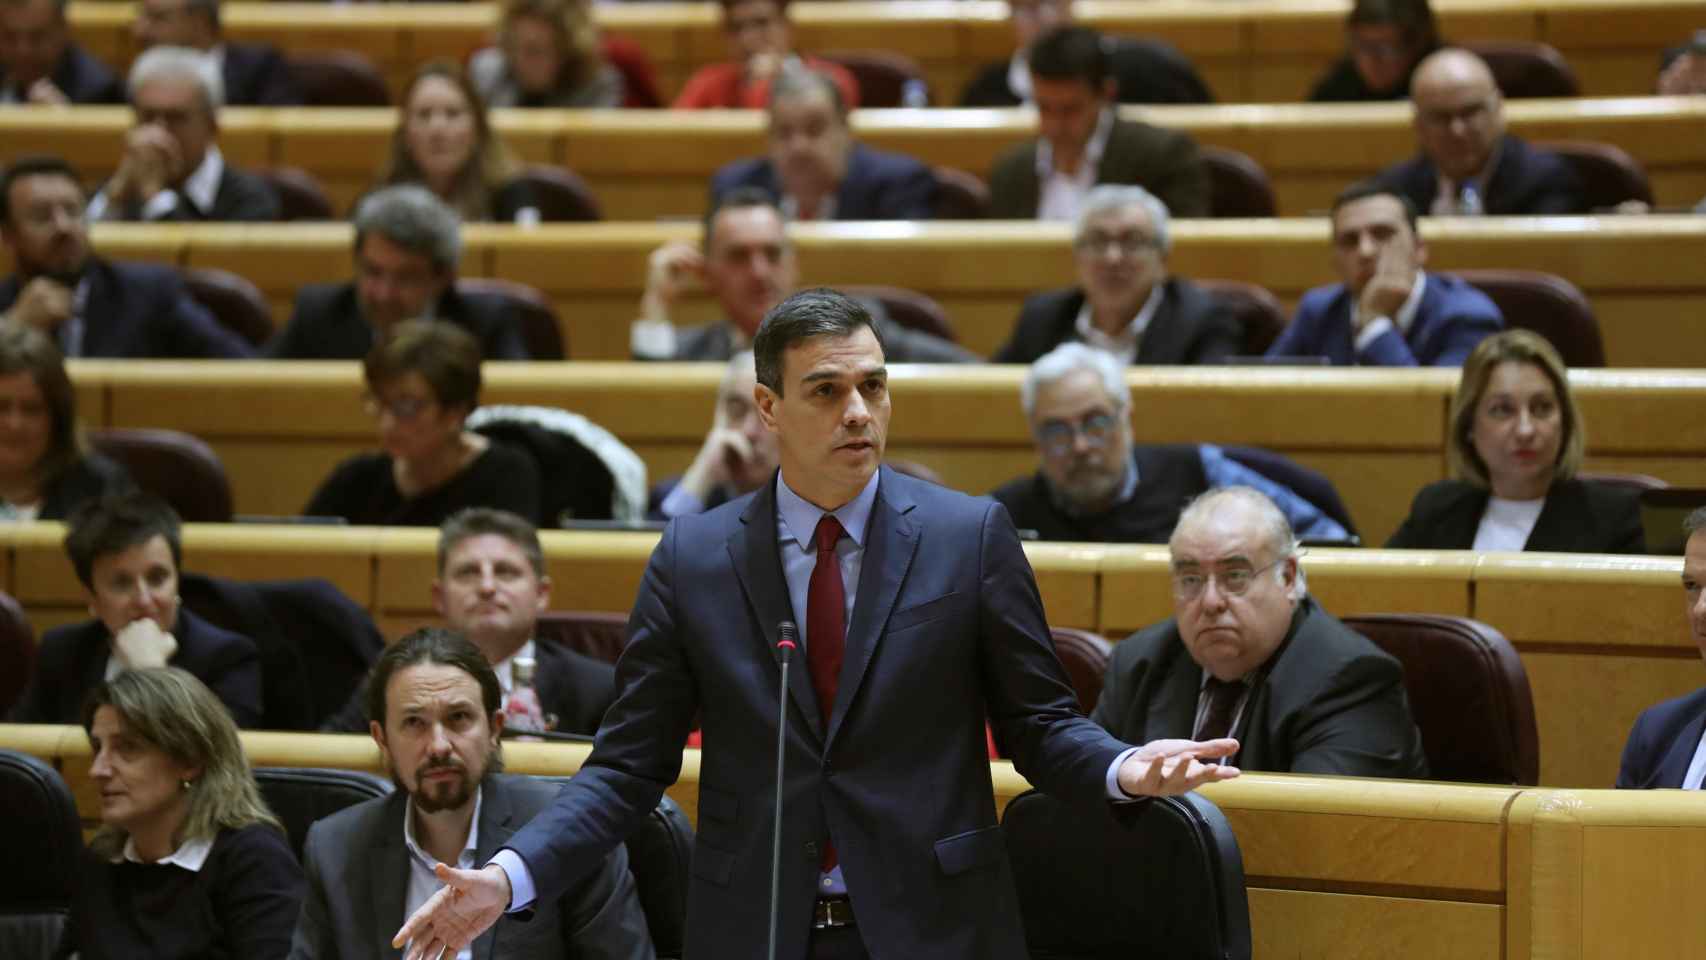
(1118,155)
(1159,343)
(1173,708)
(1559,525)
(384,875)
(497,824)
(891,538)
(758,566)
(1680,753)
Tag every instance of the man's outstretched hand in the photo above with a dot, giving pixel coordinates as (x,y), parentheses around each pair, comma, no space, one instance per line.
(1167,768)
(470,901)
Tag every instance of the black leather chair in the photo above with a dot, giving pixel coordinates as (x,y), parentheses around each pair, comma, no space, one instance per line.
(596,476)
(338,78)
(1524,68)
(533,313)
(176,467)
(1255,308)
(597,634)
(960,195)
(17,652)
(1468,692)
(300,196)
(560,195)
(43,843)
(1238,186)
(1311,485)
(301,795)
(884,78)
(909,308)
(1548,305)
(1164,879)
(235,302)
(1608,174)
(1085,656)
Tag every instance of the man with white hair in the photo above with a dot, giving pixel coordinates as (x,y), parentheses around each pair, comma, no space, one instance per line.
(1125,301)
(172,169)
(1094,484)
(1250,654)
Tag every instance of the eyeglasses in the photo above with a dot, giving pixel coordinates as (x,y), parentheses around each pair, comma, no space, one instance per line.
(1124,244)
(1233,583)
(1057,436)
(1441,119)
(402,408)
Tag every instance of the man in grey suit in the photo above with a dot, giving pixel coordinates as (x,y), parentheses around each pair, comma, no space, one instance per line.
(371,865)
(747,265)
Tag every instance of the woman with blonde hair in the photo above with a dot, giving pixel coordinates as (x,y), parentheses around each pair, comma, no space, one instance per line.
(1516,443)
(445,143)
(189,862)
(547,56)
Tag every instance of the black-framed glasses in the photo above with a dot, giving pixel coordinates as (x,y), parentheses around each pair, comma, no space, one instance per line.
(402,408)
(1125,244)
(1189,585)
(1058,436)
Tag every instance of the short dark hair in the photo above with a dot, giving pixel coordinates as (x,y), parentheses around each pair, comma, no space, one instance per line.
(797,80)
(432,645)
(819,312)
(34,166)
(480,521)
(116,522)
(446,356)
(740,198)
(1413,18)
(1071,52)
(1364,189)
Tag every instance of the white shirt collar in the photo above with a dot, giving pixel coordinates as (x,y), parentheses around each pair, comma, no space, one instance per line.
(790,208)
(505,668)
(1019,76)
(428,859)
(800,516)
(1126,342)
(202,185)
(191,855)
(1092,150)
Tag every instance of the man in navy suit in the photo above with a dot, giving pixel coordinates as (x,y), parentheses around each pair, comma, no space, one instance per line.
(921,619)
(816,172)
(1667,747)
(41,64)
(1388,312)
(255,75)
(89,306)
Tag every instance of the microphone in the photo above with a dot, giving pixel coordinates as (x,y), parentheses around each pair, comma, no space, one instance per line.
(790,637)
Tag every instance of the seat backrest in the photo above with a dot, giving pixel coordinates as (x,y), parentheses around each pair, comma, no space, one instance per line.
(598,634)
(1095,882)
(532,312)
(1238,186)
(1468,692)
(1311,485)
(885,79)
(1085,656)
(17,651)
(594,475)
(909,308)
(1257,310)
(176,467)
(300,196)
(1607,173)
(43,839)
(299,796)
(560,195)
(960,195)
(1548,305)
(337,78)
(1524,68)
(235,302)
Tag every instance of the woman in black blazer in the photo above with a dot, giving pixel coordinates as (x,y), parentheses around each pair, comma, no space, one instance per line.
(45,469)
(1516,442)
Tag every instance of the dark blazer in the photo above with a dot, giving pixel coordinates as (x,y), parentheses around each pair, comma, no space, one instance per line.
(80,77)
(1451,319)
(1146,70)
(1580,516)
(71,661)
(1525,181)
(948,630)
(1164,162)
(1189,326)
(88,478)
(241,198)
(257,76)
(358,877)
(877,185)
(1329,700)
(1662,743)
(326,324)
(144,311)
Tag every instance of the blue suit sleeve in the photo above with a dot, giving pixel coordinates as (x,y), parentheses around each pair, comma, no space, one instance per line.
(1305,518)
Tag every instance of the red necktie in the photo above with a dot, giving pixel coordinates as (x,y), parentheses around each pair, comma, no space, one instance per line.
(826,630)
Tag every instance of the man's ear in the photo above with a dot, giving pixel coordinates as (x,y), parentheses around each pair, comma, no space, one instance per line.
(767,399)
(1421,252)
(376,730)
(544,602)
(438,597)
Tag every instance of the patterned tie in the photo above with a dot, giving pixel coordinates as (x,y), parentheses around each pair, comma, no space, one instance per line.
(1222,701)
(826,631)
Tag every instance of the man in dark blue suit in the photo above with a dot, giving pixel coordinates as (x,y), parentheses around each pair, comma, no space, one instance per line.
(921,619)
(816,172)
(41,64)
(1388,312)
(1667,747)
(254,73)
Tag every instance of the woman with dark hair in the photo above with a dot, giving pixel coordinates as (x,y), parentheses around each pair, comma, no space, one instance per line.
(422,384)
(45,469)
(1516,443)
(1386,39)
(445,143)
(547,56)
(189,862)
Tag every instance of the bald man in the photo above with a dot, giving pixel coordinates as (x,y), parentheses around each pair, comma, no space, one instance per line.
(1469,165)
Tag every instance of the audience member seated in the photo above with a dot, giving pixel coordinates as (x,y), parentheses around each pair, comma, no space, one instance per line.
(126,551)
(1516,442)
(423,381)
(1666,747)
(1125,302)
(171,168)
(1388,311)
(1082,141)
(1094,484)
(547,56)
(1386,40)
(1145,70)
(41,64)
(408,244)
(491,588)
(1249,654)
(255,74)
(1468,164)
(738,456)
(816,171)
(46,470)
(1684,68)
(437,712)
(748,266)
(444,143)
(189,862)
(92,307)
(761,43)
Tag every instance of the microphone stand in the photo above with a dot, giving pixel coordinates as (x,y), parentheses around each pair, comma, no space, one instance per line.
(789,639)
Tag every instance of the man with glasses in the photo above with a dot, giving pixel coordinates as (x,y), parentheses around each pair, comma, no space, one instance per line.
(1094,484)
(1250,654)
(1469,165)
(1125,301)
(1386,40)
(407,246)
